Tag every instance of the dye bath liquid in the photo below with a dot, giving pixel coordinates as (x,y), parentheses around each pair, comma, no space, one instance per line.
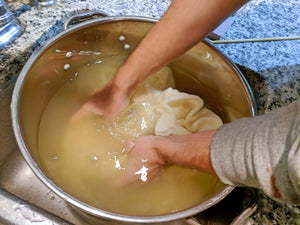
(86,158)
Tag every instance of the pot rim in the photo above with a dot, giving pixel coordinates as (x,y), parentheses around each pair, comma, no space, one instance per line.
(72,200)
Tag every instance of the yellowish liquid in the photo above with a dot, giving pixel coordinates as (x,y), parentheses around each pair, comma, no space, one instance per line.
(85,158)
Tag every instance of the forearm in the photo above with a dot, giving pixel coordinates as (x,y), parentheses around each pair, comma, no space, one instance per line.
(185,23)
(191,150)
(262,152)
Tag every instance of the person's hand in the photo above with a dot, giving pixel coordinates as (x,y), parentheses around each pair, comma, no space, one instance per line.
(145,161)
(148,155)
(107,102)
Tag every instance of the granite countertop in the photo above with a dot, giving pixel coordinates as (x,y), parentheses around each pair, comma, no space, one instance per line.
(271,68)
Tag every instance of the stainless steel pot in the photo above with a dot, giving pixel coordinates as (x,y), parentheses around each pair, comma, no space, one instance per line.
(222,86)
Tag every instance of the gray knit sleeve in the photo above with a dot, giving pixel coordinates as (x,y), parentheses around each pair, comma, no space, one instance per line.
(262,152)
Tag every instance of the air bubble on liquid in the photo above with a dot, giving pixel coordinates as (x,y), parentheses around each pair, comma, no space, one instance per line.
(52,197)
(67,66)
(98,61)
(89,53)
(143,124)
(54,157)
(122,38)
(110,131)
(69,55)
(76,74)
(126,46)
(59,51)
(95,158)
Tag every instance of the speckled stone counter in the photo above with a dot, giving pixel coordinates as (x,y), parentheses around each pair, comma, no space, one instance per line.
(271,68)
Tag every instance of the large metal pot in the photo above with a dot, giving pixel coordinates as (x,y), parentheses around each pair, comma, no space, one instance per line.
(222,86)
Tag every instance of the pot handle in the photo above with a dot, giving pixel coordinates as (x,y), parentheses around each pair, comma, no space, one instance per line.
(83,17)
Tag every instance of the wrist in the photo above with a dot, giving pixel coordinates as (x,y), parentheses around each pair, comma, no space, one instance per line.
(139,65)
(126,79)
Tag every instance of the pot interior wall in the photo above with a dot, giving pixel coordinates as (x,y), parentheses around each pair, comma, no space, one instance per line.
(46,74)
(221,85)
